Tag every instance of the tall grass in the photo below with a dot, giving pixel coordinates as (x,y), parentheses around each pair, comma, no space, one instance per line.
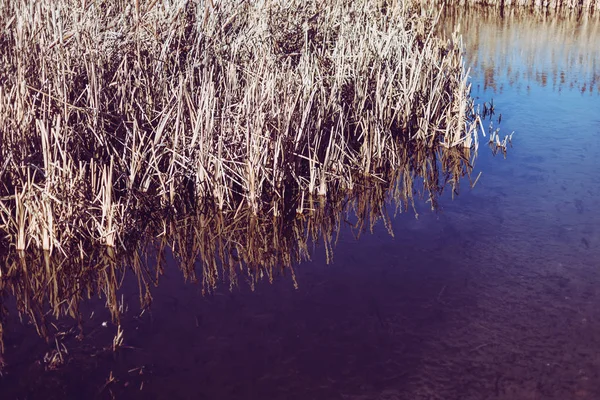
(111,110)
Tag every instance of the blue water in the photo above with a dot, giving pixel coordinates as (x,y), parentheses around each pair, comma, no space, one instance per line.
(495,296)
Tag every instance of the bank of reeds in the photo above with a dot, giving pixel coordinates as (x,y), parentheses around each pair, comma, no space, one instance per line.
(537,5)
(111,111)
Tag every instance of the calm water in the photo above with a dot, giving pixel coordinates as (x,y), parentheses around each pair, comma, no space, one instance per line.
(494,297)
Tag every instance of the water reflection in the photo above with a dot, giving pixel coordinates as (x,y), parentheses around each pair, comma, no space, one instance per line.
(494,298)
(213,248)
(519,48)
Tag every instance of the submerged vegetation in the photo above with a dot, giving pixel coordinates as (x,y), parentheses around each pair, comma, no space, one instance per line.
(116,112)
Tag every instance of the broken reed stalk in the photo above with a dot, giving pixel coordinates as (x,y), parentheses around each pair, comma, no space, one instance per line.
(110,112)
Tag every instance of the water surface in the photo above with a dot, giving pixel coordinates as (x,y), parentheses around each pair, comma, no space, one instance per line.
(495,296)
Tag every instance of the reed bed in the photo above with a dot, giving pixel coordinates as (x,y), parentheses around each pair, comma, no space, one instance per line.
(536,5)
(211,249)
(115,112)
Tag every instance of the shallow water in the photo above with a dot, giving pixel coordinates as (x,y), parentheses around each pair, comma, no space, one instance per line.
(493,297)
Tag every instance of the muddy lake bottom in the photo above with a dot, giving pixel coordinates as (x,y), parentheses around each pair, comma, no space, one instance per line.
(494,296)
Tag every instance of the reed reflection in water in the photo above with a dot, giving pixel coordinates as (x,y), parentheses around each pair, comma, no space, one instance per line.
(517,47)
(211,248)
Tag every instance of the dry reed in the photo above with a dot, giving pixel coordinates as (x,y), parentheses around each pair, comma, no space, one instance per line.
(112,112)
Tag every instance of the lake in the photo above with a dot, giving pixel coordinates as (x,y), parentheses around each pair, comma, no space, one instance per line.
(492,296)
